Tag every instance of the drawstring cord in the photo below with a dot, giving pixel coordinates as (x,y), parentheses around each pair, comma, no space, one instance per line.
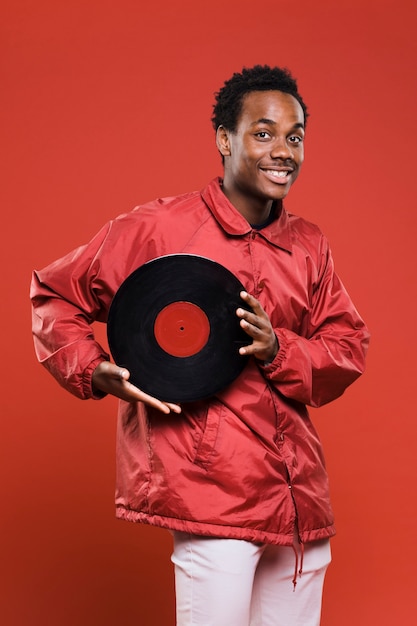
(298,572)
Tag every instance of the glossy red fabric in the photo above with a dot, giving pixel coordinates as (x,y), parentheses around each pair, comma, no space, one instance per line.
(247,463)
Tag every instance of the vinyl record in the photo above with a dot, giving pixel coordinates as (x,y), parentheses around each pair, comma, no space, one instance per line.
(173,325)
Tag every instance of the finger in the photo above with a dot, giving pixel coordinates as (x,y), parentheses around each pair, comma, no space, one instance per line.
(252,349)
(251,301)
(254,325)
(136,394)
(165,407)
(108,369)
(256,315)
(253,330)
(265,348)
(122,374)
(174,407)
(122,388)
(249,315)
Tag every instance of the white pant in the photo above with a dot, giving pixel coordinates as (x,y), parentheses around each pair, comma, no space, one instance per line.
(229,582)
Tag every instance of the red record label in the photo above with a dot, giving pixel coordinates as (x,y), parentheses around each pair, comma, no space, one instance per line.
(182,329)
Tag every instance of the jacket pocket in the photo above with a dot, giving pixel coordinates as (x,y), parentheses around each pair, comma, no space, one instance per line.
(206,446)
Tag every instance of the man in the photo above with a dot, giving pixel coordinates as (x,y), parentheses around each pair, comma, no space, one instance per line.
(239,478)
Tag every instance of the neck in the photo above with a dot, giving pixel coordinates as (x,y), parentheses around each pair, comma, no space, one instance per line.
(254,210)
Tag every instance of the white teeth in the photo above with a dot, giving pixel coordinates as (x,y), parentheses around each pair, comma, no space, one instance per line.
(278,174)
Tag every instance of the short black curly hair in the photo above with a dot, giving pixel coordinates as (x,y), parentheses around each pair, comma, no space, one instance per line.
(229,98)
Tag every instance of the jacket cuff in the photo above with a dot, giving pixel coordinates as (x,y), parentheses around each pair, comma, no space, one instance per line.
(269,368)
(88,390)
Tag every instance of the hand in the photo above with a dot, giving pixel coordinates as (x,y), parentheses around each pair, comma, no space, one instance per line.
(257,325)
(113,379)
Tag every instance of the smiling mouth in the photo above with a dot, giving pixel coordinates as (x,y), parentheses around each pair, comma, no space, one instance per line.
(278,174)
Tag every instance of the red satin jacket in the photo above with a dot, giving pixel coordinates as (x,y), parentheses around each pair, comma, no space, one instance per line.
(247,463)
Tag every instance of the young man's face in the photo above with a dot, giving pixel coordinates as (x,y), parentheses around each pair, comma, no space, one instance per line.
(262,158)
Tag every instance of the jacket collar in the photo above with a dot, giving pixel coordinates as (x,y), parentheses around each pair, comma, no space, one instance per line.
(278,232)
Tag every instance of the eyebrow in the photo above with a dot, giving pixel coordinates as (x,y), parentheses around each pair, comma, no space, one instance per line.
(266,120)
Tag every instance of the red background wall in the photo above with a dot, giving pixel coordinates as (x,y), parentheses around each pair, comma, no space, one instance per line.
(105,105)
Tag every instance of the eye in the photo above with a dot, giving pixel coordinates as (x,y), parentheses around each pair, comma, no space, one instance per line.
(263,134)
(295,139)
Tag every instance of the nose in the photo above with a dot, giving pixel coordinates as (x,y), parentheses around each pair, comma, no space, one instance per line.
(281,149)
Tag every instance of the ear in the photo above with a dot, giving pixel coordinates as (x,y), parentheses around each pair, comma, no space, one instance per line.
(223,141)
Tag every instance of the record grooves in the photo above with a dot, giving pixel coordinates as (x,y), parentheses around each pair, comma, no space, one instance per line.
(173,325)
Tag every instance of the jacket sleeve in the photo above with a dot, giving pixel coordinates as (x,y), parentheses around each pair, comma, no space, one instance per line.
(317,365)
(67,298)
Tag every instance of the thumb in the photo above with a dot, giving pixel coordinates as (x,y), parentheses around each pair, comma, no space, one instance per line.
(123,373)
